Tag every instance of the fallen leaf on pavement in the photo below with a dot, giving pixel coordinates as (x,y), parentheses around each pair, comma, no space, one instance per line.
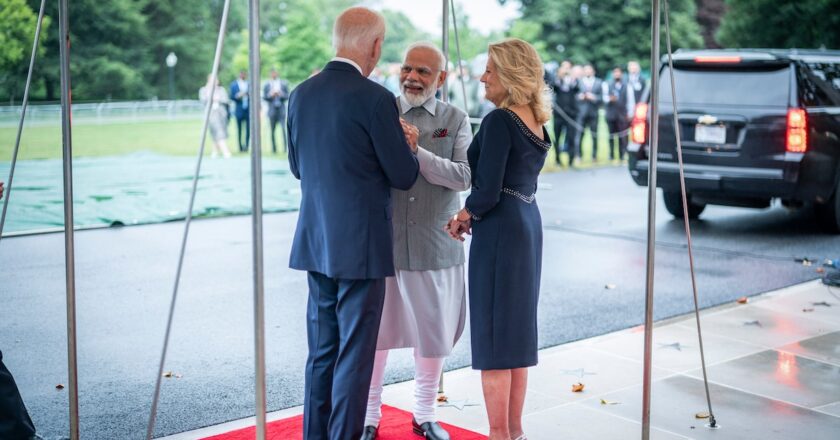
(743,300)
(610,286)
(578,387)
(702,415)
(442,398)
(59,387)
(607,402)
(168,374)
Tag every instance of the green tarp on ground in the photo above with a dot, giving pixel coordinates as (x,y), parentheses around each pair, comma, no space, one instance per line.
(141,188)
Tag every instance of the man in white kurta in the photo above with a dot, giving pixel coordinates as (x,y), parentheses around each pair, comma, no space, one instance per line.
(425,302)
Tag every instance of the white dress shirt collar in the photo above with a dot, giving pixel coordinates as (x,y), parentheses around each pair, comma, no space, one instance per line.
(348,61)
(429,105)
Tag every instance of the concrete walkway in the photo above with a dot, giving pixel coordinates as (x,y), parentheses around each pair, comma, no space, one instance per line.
(773,366)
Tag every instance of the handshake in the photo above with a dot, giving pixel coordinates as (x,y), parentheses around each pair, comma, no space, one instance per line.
(411,134)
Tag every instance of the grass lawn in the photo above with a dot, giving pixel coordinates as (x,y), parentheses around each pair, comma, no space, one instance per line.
(178,137)
(182,138)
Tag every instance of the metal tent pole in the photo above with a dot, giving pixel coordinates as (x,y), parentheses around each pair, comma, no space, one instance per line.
(712,421)
(459,67)
(256,214)
(651,226)
(69,247)
(150,428)
(22,115)
(444,91)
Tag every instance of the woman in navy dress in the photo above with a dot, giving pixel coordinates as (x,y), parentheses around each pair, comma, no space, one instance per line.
(501,212)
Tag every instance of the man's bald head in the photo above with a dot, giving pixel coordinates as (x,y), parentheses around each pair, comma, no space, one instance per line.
(358,34)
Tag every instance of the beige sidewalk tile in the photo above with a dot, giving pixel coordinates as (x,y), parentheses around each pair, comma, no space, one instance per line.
(579,422)
(762,326)
(676,347)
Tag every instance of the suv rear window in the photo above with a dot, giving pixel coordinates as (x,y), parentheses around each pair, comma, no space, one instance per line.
(820,83)
(743,86)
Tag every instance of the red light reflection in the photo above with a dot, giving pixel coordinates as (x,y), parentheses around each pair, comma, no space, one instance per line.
(787,370)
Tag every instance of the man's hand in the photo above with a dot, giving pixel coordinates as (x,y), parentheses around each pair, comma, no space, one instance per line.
(457,228)
(411,134)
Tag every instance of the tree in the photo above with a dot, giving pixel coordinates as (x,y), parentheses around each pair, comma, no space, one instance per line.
(108,58)
(781,24)
(305,45)
(400,33)
(607,33)
(472,41)
(17,29)
(189,28)
(709,14)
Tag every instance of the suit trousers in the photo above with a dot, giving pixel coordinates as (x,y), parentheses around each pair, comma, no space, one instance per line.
(567,126)
(277,115)
(342,326)
(588,119)
(15,423)
(245,120)
(617,126)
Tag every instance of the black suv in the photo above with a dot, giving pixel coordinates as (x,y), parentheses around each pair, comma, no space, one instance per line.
(755,125)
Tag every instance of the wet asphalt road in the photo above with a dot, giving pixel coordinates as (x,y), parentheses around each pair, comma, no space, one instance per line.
(595,229)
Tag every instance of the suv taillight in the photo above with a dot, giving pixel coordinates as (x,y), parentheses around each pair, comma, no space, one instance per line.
(638,128)
(797,131)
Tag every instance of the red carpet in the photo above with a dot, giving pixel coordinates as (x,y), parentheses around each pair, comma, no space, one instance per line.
(395,425)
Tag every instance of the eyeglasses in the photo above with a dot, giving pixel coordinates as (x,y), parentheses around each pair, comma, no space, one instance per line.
(424,72)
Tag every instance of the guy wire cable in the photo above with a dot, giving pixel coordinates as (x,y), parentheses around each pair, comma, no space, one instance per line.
(22,116)
(460,60)
(213,79)
(712,421)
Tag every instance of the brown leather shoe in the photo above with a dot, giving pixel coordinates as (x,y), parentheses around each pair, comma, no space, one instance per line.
(429,430)
(369,433)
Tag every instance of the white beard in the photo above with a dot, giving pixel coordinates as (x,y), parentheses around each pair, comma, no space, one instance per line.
(416,100)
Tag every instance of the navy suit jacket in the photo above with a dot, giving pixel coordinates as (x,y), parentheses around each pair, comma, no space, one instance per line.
(241,110)
(348,149)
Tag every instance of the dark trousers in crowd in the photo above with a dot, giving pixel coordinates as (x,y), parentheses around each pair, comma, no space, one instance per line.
(277,116)
(15,423)
(617,127)
(239,123)
(587,120)
(342,326)
(566,126)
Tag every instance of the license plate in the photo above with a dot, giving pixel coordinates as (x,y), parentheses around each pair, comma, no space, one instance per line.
(710,134)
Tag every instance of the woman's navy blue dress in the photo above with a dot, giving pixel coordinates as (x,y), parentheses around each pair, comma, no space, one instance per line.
(506,251)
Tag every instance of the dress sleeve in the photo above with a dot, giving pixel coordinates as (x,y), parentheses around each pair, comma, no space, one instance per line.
(489,172)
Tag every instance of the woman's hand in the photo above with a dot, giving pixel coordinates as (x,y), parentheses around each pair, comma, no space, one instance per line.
(456,228)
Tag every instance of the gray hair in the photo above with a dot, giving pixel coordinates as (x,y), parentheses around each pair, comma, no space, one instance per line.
(428,46)
(357,28)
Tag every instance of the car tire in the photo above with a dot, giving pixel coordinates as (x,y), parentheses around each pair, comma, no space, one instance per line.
(673,203)
(828,213)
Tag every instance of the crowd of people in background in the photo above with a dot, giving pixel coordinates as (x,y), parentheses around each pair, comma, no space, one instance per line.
(579,95)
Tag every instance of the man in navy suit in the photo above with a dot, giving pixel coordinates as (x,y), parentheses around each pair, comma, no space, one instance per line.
(348,147)
(239,95)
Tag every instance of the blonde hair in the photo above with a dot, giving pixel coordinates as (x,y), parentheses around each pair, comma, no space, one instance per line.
(521,73)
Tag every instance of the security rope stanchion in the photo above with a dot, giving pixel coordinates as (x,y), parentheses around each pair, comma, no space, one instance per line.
(256,216)
(23,106)
(712,421)
(651,224)
(213,79)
